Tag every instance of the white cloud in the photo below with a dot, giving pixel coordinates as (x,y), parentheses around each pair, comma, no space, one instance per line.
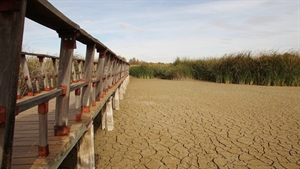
(163,30)
(129,26)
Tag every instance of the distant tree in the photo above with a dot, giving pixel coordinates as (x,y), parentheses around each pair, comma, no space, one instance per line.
(134,61)
(122,58)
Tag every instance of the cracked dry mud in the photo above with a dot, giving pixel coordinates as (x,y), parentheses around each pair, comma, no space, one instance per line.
(194,124)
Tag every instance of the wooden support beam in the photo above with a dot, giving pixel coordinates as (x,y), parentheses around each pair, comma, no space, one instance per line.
(68,44)
(44,73)
(12,15)
(106,72)
(43,147)
(26,73)
(116,101)
(99,73)
(85,150)
(88,67)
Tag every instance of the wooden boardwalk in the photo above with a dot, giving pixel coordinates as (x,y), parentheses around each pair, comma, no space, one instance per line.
(39,131)
(26,135)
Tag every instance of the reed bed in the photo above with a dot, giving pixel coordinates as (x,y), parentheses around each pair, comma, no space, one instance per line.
(263,68)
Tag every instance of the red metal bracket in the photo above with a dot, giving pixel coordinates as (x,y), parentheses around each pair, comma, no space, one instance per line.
(78,117)
(85,109)
(77,92)
(2,116)
(64,90)
(87,82)
(43,151)
(98,98)
(102,52)
(41,58)
(61,130)
(43,108)
(69,39)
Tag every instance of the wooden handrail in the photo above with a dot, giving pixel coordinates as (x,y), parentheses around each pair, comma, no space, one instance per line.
(44,13)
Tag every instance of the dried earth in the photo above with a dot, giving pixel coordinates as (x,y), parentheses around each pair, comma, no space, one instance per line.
(194,124)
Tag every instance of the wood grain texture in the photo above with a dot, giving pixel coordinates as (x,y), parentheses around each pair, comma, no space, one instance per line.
(11,36)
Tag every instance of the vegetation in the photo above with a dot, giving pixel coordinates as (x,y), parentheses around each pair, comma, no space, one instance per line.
(265,68)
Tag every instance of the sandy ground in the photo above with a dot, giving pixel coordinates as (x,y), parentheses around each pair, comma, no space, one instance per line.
(194,124)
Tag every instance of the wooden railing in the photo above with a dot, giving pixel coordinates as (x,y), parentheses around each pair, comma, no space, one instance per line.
(69,74)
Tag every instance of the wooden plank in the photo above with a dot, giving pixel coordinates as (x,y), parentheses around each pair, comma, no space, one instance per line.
(46,14)
(38,54)
(26,136)
(34,101)
(11,35)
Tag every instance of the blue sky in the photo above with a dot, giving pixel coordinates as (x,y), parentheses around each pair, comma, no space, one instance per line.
(161,30)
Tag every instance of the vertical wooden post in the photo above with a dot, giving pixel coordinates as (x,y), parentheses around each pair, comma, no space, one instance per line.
(44,73)
(43,147)
(112,71)
(55,72)
(68,44)
(116,101)
(116,79)
(107,71)
(74,73)
(27,75)
(78,74)
(109,115)
(85,150)
(78,104)
(94,94)
(88,67)
(121,88)
(100,69)
(12,15)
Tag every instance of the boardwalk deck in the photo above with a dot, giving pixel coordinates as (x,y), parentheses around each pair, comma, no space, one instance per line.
(26,135)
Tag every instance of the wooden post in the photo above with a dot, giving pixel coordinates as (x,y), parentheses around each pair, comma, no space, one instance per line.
(94,94)
(55,72)
(12,15)
(88,67)
(74,73)
(68,44)
(108,121)
(85,150)
(121,88)
(99,74)
(43,147)
(116,101)
(112,71)
(44,73)
(107,71)
(27,75)
(80,69)
(78,104)
(104,78)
